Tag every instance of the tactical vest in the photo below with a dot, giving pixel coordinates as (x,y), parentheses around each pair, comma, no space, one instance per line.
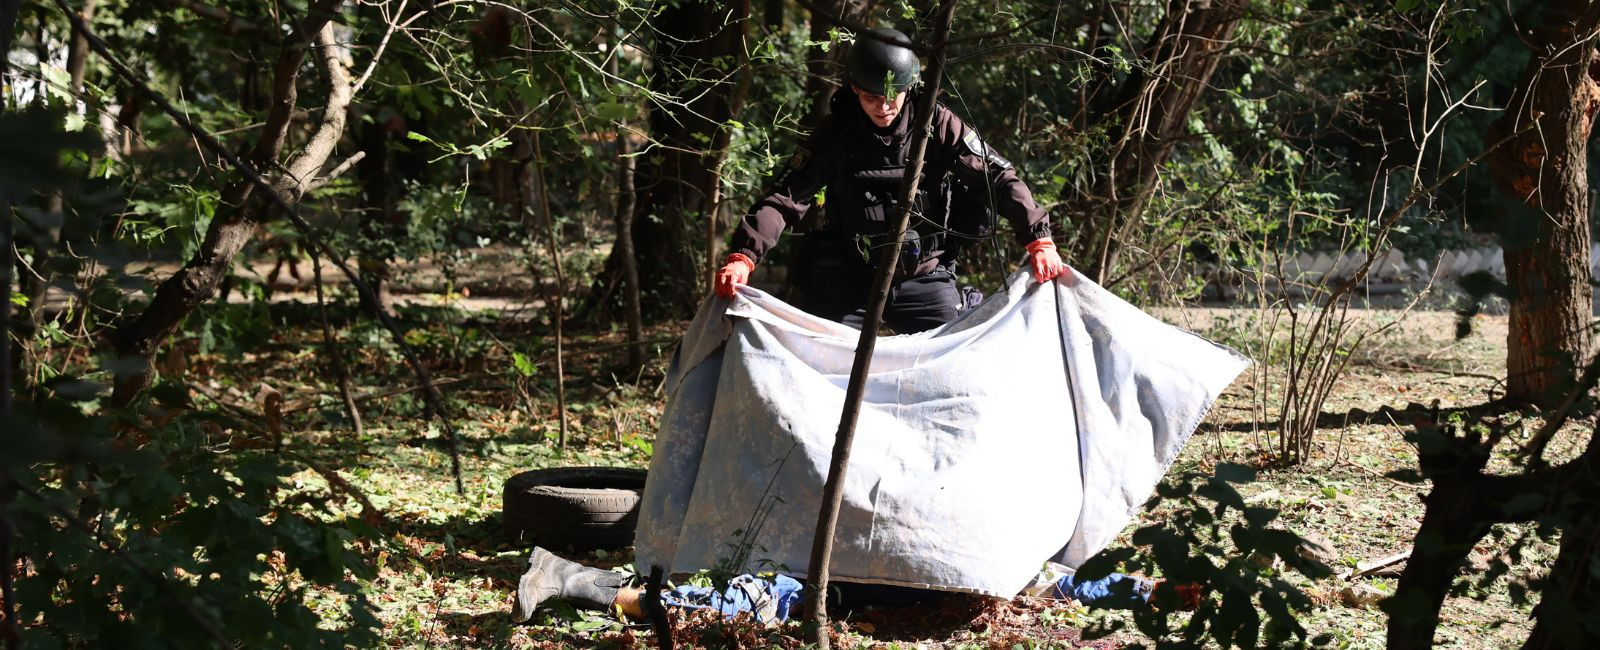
(861,200)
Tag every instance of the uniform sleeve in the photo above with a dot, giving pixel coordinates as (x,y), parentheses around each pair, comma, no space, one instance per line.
(790,193)
(980,166)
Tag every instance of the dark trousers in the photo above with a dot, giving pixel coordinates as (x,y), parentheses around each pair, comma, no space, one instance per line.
(916,304)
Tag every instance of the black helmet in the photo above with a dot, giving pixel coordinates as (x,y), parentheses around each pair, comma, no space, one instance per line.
(875,60)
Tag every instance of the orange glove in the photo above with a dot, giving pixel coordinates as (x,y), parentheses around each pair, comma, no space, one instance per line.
(735,273)
(1046,261)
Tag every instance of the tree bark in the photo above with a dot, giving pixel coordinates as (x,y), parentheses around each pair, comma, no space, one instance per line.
(137,340)
(1547,254)
(625,250)
(675,179)
(8,30)
(713,187)
(1151,108)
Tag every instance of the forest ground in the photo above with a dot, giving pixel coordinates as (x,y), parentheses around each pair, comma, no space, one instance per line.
(446,572)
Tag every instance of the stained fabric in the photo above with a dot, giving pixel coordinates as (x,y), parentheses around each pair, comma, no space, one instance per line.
(1030,429)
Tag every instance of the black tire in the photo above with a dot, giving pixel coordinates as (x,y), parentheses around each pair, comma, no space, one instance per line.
(573,507)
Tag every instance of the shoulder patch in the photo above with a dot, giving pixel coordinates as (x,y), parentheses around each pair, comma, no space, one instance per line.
(980,149)
(801,156)
(974,143)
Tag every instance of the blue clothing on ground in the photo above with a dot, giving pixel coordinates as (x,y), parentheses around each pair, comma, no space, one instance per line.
(774,599)
(1115,591)
(769,600)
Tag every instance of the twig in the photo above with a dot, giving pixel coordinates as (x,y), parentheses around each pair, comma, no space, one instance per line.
(370,513)
(431,395)
(378,54)
(393,392)
(1365,567)
(561,284)
(862,30)
(343,167)
(331,344)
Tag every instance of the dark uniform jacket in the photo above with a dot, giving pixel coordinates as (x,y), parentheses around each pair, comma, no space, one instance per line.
(862,167)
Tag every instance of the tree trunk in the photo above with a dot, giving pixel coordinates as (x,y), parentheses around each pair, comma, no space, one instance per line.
(625,251)
(1151,108)
(821,560)
(8,29)
(713,189)
(376,175)
(1546,167)
(676,178)
(559,295)
(137,340)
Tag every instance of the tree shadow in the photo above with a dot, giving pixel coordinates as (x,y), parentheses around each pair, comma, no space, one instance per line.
(1411,414)
(477,545)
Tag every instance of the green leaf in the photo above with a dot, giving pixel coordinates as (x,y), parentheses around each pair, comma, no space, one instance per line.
(1406,5)
(524,365)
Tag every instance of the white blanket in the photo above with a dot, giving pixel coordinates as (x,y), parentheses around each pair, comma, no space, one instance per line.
(1028,430)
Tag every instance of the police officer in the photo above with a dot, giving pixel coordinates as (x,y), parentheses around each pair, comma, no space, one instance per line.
(859,153)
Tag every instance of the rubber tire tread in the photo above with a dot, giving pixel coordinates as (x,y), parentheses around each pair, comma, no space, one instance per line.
(541,507)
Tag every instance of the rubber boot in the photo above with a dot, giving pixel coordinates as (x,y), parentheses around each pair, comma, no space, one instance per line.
(549,577)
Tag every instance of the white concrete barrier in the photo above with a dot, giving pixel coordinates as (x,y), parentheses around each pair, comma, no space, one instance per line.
(1393,266)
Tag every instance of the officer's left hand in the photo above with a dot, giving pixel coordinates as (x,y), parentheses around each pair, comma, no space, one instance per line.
(1046,261)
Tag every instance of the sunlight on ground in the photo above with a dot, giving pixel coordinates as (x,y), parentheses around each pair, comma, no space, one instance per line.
(447,571)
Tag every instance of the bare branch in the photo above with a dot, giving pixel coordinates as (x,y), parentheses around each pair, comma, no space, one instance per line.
(383,44)
(336,172)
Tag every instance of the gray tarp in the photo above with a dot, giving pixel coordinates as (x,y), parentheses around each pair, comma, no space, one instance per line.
(1029,429)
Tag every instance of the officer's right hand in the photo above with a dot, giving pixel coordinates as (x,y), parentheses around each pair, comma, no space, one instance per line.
(735,273)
